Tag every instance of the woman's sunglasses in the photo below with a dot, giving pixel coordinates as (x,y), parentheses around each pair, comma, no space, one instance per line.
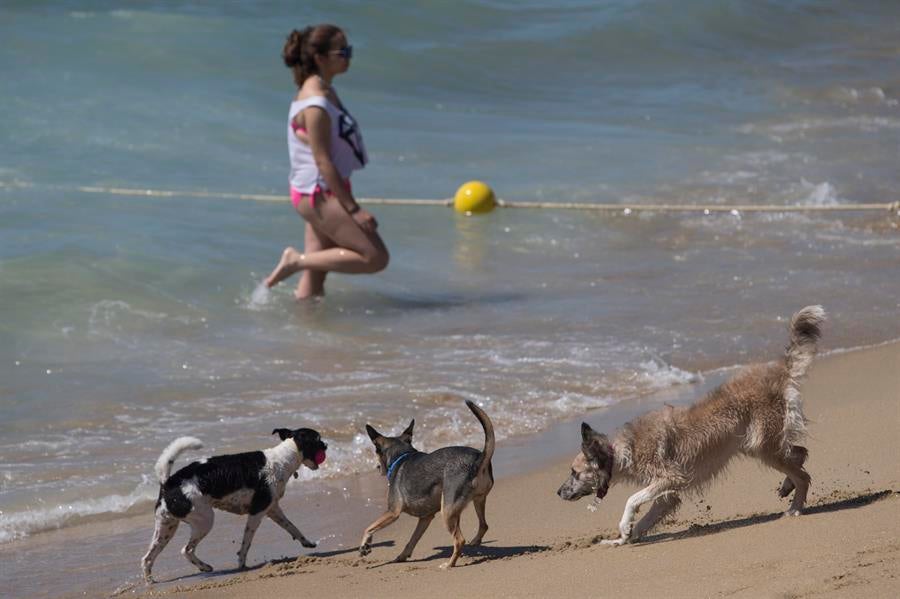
(346,52)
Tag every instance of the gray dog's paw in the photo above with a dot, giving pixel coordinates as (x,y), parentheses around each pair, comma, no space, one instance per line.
(365,549)
(307,543)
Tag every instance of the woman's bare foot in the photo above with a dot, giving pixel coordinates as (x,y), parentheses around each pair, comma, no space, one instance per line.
(291,262)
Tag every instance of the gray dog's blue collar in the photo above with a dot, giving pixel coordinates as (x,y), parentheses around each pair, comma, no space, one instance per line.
(396,462)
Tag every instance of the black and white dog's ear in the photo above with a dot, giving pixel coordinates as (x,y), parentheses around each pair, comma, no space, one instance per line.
(283,433)
(406,435)
(373,434)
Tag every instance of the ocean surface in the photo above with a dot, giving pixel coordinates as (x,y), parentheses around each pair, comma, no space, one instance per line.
(128,321)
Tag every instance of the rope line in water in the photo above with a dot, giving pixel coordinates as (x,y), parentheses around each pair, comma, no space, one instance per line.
(627,208)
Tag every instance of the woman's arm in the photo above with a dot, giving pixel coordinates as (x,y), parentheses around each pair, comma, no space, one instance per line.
(318,130)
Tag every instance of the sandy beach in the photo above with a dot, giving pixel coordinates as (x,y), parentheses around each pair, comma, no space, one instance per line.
(730,541)
(674,182)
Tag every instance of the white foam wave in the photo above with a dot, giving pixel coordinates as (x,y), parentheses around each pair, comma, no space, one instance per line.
(105,311)
(659,375)
(572,403)
(17,525)
(862,242)
(350,458)
(821,194)
(852,95)
(260,297)
(764,158)
(868,124)
(45,445)
(112,319)
(727,177)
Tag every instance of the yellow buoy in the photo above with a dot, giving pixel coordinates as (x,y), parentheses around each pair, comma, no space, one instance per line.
(474,197)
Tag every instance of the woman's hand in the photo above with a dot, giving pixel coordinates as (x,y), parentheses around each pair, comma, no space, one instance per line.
(365,219)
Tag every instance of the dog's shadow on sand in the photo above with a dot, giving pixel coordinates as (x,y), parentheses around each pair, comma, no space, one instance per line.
(282,560)
(211,575)
(699,530)
(347,551)
(473,555)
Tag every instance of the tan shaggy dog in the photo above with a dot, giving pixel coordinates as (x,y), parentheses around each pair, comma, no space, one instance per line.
(758,413)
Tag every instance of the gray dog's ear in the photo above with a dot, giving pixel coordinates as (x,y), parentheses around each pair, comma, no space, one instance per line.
(593,444)
(406,435)
(373,434)
(283,433)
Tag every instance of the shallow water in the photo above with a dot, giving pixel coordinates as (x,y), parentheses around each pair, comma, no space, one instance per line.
(130,321)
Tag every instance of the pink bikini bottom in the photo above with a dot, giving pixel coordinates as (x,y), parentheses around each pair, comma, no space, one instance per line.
(298,196)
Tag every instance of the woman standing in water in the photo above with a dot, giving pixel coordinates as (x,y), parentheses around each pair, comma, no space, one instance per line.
(325,147)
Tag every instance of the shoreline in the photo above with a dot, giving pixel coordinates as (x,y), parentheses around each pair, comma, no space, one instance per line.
(360,497)
(527,442)
(730,539)
(341,508)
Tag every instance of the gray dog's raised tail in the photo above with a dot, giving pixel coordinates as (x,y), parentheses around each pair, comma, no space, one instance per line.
(488,452)
(805,333)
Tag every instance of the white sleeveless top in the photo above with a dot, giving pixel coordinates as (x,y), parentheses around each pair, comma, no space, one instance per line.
(347,149)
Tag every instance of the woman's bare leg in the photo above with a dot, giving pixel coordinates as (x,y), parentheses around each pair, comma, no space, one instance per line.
(356,250)
(312,282)
(336,259)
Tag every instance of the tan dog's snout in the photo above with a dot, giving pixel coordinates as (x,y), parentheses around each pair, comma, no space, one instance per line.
(567,492)
(583,480)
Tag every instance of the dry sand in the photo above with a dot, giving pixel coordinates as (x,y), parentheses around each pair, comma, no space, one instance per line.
(731,541)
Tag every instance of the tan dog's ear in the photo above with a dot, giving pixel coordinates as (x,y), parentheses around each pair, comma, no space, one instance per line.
(406,436)
(591,440)
(586,432)
(373,434)
(597,448)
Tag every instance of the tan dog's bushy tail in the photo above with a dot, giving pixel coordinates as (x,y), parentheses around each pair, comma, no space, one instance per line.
(805,333)
(488,452)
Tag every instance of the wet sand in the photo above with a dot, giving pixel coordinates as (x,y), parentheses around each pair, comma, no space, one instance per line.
(730,541)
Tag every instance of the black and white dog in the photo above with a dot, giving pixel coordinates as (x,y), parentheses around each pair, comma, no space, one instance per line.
(244,483)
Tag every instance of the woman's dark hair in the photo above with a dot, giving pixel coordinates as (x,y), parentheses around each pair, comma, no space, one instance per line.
(301,47)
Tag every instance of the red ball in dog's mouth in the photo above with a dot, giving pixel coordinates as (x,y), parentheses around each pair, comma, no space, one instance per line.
(319,457)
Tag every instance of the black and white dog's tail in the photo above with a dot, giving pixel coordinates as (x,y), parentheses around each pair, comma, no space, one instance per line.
(488,452)
(163,466)
(805,332)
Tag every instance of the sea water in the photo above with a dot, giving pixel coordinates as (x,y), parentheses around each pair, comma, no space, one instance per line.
(130,320)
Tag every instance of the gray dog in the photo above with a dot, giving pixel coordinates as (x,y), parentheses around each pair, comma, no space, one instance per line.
(423,484)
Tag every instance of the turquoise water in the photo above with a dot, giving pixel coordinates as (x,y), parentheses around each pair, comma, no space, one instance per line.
(129,321)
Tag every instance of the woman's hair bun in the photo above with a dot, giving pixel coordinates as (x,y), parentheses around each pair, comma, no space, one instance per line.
(293,47)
